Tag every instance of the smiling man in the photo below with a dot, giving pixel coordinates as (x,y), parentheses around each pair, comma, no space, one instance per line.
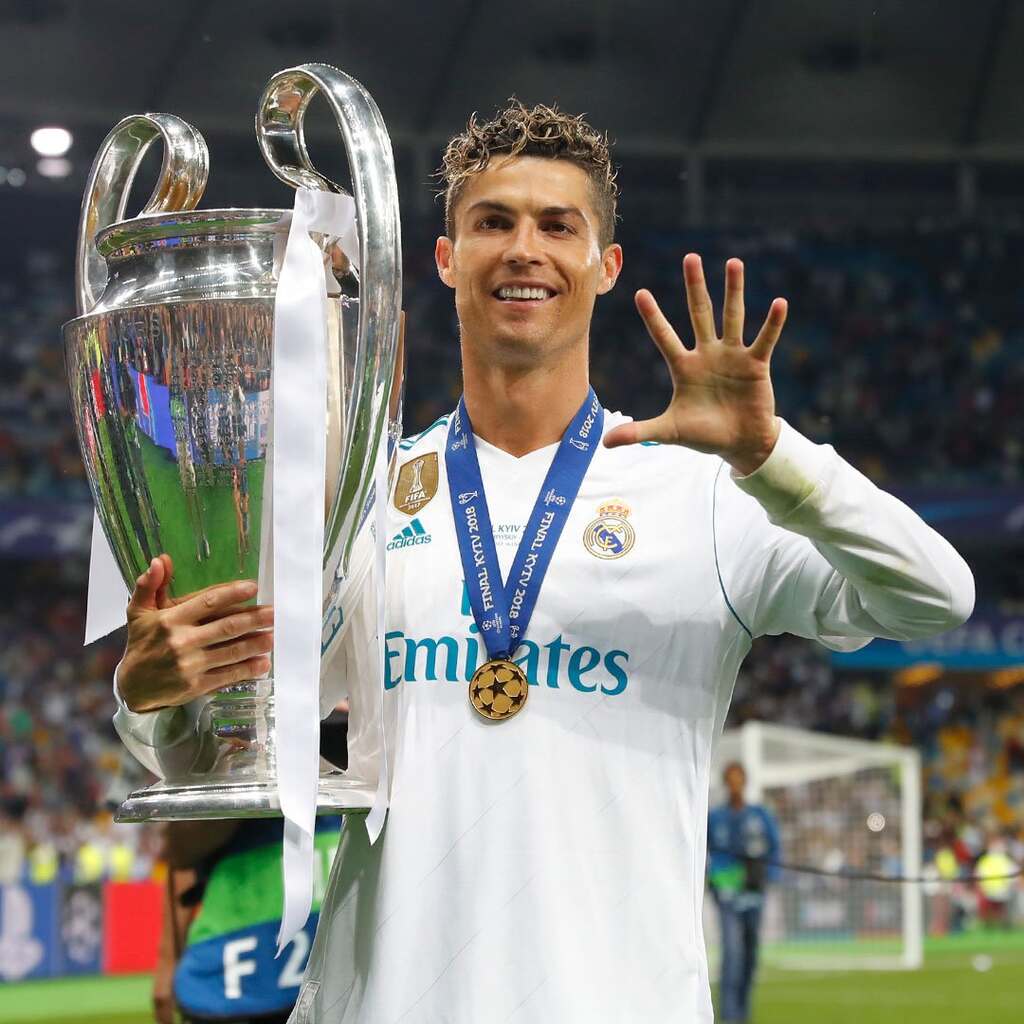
(570,596)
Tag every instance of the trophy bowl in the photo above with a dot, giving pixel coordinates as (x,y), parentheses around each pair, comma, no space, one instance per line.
(170,368)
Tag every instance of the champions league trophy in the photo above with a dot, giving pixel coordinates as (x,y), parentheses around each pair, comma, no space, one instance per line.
(170,369)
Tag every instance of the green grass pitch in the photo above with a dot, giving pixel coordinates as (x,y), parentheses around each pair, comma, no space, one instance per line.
(950,989)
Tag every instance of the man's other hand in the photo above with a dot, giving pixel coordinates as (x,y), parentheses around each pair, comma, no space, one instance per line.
(181,648)
(722,401)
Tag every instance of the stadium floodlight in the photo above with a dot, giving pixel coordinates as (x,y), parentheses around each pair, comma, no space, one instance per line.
(51,140)
(845,808)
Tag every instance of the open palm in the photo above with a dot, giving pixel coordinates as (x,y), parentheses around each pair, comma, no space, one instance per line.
(722,397)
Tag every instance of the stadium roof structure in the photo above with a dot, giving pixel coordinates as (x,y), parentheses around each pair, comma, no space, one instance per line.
(735,80)
(912,77)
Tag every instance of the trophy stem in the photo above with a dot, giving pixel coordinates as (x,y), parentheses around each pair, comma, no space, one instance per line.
(240,719)
(234,775)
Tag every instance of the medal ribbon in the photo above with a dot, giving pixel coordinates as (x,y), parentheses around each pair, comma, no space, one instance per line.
(503,610)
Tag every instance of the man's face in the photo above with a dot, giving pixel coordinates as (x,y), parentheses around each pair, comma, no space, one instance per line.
(735,781)
(526,263)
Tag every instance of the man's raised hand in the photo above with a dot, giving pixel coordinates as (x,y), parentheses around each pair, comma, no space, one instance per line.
(179,649)
(722,397)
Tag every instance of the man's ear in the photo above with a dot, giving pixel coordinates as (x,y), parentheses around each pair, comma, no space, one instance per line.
(611,267)
(444,253)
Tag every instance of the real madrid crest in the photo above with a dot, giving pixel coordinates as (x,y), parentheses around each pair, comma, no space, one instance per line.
(610,535)
(417,483)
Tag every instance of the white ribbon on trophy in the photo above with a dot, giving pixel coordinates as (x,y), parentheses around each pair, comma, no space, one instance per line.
(379,808)
(299,402)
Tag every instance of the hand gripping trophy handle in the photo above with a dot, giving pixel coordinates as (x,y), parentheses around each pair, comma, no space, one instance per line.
(186,166)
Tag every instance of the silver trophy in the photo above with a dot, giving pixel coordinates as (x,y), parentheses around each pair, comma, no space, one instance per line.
(169,367)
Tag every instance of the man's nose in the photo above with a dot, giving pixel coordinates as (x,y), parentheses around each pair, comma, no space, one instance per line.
(523,245)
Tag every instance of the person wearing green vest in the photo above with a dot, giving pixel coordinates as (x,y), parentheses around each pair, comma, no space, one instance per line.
(224,962)
(998,875)
(90,863)
(225,893)
(43,863)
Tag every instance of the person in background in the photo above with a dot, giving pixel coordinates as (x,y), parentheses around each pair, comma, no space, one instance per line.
(222,911)
(997,875)
(220,934)
(743,855)
(13,847)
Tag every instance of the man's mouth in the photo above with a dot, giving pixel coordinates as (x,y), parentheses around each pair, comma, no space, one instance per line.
(518,293)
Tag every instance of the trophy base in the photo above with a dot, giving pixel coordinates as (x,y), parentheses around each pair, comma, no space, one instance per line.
(169,802)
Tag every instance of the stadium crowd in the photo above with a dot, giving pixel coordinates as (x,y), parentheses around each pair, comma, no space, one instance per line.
(900,351)
(899,348)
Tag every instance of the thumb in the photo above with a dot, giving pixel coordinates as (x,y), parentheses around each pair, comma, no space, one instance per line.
(163,598)
(634,432)
(147,586)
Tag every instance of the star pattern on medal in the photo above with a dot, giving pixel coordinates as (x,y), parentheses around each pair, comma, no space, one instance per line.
(498,690)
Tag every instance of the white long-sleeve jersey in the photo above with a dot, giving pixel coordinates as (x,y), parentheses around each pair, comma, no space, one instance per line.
(549,869)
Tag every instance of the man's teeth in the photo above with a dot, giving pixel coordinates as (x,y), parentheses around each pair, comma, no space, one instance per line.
(512,292)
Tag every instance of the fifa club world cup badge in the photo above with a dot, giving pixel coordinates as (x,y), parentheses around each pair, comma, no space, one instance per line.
(417,483)
(610,535)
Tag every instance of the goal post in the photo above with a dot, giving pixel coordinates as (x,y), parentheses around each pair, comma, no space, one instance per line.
(845,808)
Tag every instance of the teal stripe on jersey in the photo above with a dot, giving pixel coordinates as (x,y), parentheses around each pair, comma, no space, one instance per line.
(714,541)
(408,442)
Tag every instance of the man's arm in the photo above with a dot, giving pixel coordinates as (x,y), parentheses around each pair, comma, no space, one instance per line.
(714,854)
(174,925)
(180,650)
(774,855)
(823,553)
(184,648)
(839,560)
(167,657)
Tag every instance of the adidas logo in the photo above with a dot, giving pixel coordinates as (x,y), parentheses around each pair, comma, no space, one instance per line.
(410,535)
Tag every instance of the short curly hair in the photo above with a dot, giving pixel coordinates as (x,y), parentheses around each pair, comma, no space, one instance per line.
(538,131)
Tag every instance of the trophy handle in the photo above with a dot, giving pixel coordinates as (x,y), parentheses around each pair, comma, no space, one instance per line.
(180,186)
(279,128)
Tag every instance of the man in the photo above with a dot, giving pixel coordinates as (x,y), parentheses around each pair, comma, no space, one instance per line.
(543,858)
(997,875)
(743,855)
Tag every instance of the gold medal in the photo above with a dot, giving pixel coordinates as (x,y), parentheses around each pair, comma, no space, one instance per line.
(498,689)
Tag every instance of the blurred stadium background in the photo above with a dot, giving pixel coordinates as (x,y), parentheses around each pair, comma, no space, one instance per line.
(863,159)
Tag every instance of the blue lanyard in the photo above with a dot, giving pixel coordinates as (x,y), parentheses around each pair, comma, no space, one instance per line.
(502,610)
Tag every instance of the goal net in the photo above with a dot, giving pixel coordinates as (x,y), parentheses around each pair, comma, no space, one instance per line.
(845,808)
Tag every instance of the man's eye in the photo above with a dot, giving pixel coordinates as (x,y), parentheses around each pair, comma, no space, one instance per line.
(491,223)
(559,227)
